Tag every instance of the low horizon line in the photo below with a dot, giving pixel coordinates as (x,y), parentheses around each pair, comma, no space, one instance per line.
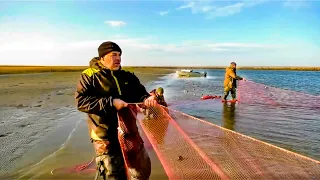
(146,66)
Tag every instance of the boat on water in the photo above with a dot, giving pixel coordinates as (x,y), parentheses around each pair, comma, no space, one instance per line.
(190,73)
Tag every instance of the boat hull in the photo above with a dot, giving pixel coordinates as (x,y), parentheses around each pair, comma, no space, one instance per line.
(191,74)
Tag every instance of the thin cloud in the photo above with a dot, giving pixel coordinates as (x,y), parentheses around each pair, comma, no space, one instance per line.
(148,44)
(186,6)
(43,50)
(115,23)
(197,6)
(162,13)
(226,10)
(24,41)
(295,4)
(211,9)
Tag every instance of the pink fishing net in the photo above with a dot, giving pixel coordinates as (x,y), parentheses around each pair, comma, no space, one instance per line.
(190,148)
(252,92)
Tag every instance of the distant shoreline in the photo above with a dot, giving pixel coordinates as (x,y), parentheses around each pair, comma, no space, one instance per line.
(9,69)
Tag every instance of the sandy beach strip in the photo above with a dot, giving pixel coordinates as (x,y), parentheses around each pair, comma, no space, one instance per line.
(40,128)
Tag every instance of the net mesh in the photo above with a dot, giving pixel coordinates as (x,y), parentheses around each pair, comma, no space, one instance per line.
(252,92)
(190,148)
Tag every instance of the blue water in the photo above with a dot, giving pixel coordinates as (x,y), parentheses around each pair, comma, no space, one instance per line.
(288,119)
(301,81)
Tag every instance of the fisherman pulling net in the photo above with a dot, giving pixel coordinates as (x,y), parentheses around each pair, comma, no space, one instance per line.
(187,147)
(230,82)
(103,91)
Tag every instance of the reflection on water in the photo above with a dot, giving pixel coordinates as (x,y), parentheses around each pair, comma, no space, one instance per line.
(228,115)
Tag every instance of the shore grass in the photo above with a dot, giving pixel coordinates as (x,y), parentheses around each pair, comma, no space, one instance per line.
(39,69)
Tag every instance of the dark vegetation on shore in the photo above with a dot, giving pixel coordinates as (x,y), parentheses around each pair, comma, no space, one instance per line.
(7,69)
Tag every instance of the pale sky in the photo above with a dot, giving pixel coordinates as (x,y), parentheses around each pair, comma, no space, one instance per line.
(162,33)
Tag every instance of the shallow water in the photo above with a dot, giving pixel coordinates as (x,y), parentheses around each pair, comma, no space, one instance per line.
(283,109)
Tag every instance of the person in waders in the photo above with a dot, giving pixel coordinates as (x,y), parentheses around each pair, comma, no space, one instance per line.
(230,81)
(159,97)
(103,90)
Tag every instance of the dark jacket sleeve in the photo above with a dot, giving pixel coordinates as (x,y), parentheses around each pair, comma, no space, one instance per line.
(140,91)
(86,101)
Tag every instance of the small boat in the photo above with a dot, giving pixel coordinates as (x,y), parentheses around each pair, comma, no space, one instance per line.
(191,73)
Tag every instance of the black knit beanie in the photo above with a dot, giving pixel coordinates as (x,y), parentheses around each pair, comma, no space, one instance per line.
(108,47)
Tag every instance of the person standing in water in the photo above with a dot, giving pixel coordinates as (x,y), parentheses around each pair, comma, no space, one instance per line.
(230,81)
(103,89)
